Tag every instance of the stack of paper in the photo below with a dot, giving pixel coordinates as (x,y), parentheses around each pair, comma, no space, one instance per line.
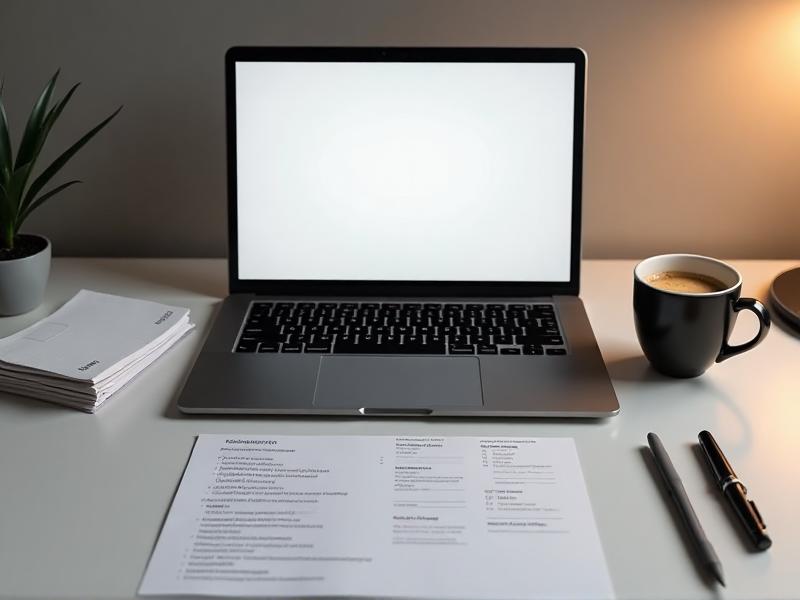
(89,348)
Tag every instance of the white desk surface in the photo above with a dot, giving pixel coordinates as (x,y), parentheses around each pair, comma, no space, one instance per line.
(82,497)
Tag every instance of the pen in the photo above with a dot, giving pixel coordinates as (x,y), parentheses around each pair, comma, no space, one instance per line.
(734,491)
(674,485)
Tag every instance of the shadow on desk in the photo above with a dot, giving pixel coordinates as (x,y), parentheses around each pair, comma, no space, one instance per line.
(27,405)
(700,397)
(635,368)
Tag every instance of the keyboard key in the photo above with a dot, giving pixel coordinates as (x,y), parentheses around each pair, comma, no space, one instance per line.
(317,347)
(542,310)
(265,334)
(462,349)
(423,349)
(438,348)
(487,349)
(350,348)
(556,351)
(292,347)
(510,351)
(540,340)
(253,331)
(271,347)
(247,346)
(528,349)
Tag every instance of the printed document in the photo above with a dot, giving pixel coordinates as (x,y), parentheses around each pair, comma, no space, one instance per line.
(92,337)
(403,517)
(89,349)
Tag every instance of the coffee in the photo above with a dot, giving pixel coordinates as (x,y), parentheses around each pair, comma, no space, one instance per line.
(685,283)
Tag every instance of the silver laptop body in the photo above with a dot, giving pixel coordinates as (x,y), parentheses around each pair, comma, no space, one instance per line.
(404,237)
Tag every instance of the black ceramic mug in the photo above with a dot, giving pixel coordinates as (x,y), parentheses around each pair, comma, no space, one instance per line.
(684,333)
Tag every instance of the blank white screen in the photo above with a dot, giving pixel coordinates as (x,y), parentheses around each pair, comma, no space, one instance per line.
(404,171)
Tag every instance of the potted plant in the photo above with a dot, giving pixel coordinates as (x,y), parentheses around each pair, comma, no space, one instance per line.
(25,258)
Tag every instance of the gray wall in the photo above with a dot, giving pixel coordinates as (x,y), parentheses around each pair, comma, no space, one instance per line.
(693,126)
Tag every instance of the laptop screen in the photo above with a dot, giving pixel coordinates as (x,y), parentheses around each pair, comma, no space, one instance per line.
(404,171)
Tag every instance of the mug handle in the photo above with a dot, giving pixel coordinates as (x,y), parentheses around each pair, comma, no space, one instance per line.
(760,311)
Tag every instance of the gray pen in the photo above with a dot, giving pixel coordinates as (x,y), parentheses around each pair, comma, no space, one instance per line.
(678,494)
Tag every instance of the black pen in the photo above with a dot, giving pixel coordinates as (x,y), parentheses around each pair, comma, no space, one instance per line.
(735,492)
(676,491)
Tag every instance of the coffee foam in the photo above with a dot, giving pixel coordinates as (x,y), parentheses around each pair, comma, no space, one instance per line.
(685,282)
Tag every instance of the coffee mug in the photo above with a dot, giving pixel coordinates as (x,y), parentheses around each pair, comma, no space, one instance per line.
(685,307)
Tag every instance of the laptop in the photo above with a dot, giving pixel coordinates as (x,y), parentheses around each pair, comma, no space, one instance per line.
(404,237)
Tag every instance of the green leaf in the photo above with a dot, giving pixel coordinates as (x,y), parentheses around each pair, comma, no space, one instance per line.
(41,200)
(16,187)
(6,214)
(52,117)
(30,138)
(6,160)
(62,160)
(8,228)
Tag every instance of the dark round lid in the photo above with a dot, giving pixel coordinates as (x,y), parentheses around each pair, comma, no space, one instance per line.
(785,295)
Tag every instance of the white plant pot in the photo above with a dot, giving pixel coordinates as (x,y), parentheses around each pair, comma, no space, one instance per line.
(23,281)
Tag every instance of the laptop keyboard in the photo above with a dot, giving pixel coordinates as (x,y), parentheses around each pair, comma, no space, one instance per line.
(401,328)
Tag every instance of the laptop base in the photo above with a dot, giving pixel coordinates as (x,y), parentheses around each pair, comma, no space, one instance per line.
(573,385)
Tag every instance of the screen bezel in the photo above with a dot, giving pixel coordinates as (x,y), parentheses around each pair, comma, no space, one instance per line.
(404,288)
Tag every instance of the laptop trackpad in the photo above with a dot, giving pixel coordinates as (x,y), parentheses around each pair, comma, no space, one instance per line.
(382,383)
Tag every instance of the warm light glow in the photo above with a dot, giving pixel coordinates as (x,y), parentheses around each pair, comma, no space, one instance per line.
(793,33)
(776,40)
